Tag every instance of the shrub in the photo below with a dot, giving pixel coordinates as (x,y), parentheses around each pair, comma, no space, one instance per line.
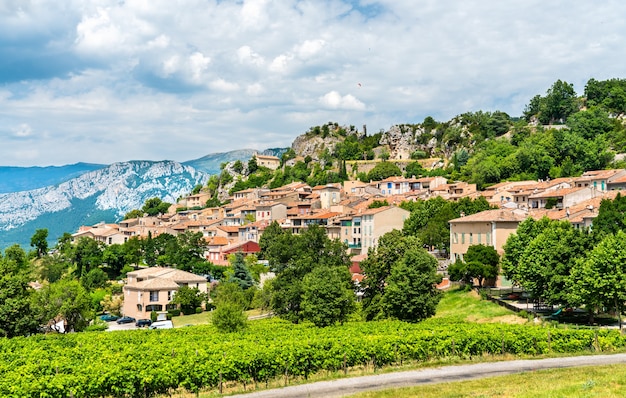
(198,310)
(153,316)
(174,312)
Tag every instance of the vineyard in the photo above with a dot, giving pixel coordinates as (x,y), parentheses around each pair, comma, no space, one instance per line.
(143,363)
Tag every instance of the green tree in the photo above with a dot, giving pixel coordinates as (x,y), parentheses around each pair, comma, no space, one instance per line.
(611,216)
(95,278)
(253,166)
(307,251)
(86,255)
(414,169)
(241,273)
(560,102)
(411,294)
(16,316)
(155,206)
(230,303)
(383,170)
(64,300)
(40,241)
(238,166)
(482,263)
(328,296)
(599,280)
(545,265)
(189,299)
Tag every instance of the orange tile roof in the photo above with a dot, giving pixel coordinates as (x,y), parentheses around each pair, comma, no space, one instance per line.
(498,215)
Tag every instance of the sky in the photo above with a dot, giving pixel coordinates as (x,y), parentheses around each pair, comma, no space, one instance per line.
(103,81)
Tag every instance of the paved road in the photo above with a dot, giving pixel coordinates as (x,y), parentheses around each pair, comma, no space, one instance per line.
(345,387)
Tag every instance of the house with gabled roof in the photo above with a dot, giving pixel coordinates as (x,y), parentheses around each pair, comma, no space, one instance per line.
(600,180)
(489,227)
(152,289)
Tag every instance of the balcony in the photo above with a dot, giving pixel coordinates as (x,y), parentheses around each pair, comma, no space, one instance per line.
(354,245)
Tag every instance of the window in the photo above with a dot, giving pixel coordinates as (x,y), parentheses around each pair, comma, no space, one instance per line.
(154,307)
(471,238)
(169,295)
(463,238)
(479,240)
(456,238)
(488,238)
(154,295)
(139,307)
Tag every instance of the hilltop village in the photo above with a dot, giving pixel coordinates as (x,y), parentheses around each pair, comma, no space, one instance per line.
(359,213)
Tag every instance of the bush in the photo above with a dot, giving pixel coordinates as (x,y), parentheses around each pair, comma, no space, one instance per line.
(229,317)
(96,328)
(198,310)
(175,312)
(153,316)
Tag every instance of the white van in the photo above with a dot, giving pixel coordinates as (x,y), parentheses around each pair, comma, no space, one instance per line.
(162,325)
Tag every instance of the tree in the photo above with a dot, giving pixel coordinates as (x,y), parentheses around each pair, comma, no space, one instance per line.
(611,216)
(16,317)
(395,260)
(383,170)
(517,243)
(303,253)
(238,166)
(65,300)
(328,296)
(96,278)
(189,299)
(253,166)
(40,241)
(560,102)
(86,255)
(545,264)
(411,294)
(600,279)
(482,262)
(241,273)
(230,302)
(414,169)
(155,206)
(112,304)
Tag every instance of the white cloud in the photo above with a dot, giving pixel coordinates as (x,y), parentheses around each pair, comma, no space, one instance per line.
(334,100)
(310,48)
(246,55)
(281,63)
(223,85)
(106,78)
(24,130)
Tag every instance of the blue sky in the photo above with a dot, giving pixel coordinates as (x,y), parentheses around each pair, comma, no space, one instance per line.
(112,80)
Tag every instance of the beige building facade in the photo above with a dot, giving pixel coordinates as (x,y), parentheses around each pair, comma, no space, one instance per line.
(152,289)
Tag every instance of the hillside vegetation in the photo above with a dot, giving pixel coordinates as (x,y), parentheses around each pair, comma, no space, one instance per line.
(560,134)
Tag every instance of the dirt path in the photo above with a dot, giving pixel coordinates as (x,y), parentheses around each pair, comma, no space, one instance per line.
(349,386)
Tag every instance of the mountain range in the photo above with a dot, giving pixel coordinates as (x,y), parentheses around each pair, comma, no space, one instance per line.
(63,198)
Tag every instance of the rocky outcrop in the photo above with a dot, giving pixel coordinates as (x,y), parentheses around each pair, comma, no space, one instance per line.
(313,146)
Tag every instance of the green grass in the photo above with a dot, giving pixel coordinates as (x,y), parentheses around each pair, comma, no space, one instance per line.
(203,318)
(460,305)
(600,381)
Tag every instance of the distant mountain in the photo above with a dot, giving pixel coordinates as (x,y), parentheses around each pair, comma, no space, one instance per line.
(15,179)
(101,195)
(211,163)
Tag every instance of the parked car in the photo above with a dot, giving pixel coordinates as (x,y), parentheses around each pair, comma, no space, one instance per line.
(125,319)
(162,325)
(109,317)
(143,322)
